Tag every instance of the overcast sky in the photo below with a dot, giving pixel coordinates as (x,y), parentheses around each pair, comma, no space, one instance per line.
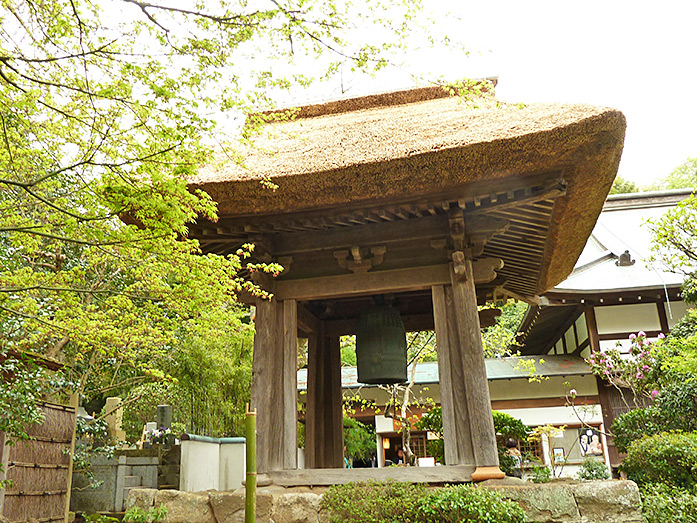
(639,57)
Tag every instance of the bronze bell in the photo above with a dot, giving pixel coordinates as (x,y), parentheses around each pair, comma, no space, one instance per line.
(381,346)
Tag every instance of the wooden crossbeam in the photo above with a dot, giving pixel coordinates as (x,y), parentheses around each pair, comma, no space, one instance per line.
(395,280)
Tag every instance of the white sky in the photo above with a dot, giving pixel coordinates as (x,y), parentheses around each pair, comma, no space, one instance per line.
(636,56)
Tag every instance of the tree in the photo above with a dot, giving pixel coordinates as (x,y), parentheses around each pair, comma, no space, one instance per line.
(622,186)
(684,176)
(674,244)
(105,109)
(500,337)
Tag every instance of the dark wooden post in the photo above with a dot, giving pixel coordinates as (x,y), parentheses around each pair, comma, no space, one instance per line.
(456,428)
(274,384)
(481,421)
(324,437)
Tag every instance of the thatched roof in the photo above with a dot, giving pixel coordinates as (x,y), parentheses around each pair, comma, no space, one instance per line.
(383,153)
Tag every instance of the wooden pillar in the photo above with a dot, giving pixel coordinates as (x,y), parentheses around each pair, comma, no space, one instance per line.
(468,424)
(324,435)
(274,384)
(456,428)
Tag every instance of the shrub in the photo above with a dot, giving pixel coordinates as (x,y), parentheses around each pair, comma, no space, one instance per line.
(467,503)
(636,424)
(541,474)
(592,469)
(686,327)
(373,502)
(662,503)
(669,458)
(675,409)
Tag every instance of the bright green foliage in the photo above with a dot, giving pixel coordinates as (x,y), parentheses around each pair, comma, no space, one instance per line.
(432,421)
(636,424)
(669,458)
(662,503)
(498,338)
(19,395)
(139,515)
(622,186)
(506,426)
(541,474)
(458,503)
(359,439)
(684,176)
(106,109)
(592,468)
(209,386)
(675,409)
(373,502)
(674,243)
(686,327)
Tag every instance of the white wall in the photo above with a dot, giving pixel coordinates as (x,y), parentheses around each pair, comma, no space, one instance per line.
(212,463)
(627,318)
(200,463)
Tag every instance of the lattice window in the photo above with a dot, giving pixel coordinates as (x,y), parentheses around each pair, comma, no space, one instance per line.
(418,446)
(533,448)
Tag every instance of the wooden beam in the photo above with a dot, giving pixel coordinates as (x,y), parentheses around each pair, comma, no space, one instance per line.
(307,322)
(417,229)
(395,280)
(592,328)
(412,323)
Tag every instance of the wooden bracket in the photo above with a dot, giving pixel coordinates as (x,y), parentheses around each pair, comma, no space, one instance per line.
(355,261)
(459,266)
(285,262)
(456,221)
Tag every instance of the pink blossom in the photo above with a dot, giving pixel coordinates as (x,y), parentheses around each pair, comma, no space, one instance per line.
(661,336)
(639,375)
(654,393)
(641,334)
(572,393)
(632,336)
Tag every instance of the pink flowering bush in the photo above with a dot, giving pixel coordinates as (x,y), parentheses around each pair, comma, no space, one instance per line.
(637,370)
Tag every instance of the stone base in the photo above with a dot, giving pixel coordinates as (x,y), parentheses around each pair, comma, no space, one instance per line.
(484,473)
(555,502)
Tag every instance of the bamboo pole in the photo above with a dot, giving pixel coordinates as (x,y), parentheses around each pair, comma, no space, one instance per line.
(250,486)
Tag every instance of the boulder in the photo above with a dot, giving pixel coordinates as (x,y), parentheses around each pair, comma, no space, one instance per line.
(185,507)
(296,508)
(141,497)
(543,503)
(228,506)
(608,501)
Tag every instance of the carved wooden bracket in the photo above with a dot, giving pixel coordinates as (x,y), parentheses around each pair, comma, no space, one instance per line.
(355,261)
(483,270)
(470,234)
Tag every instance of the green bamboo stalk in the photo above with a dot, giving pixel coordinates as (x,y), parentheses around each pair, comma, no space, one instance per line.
(250,487)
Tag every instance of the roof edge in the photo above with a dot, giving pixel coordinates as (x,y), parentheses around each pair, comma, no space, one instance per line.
(384,99)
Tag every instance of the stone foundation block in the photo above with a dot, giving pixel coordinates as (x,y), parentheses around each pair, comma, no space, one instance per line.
(185,507)
(141,497)
(549,503)
(296,508)
(608,501)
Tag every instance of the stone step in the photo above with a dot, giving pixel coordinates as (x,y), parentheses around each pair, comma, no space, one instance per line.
(133,481)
